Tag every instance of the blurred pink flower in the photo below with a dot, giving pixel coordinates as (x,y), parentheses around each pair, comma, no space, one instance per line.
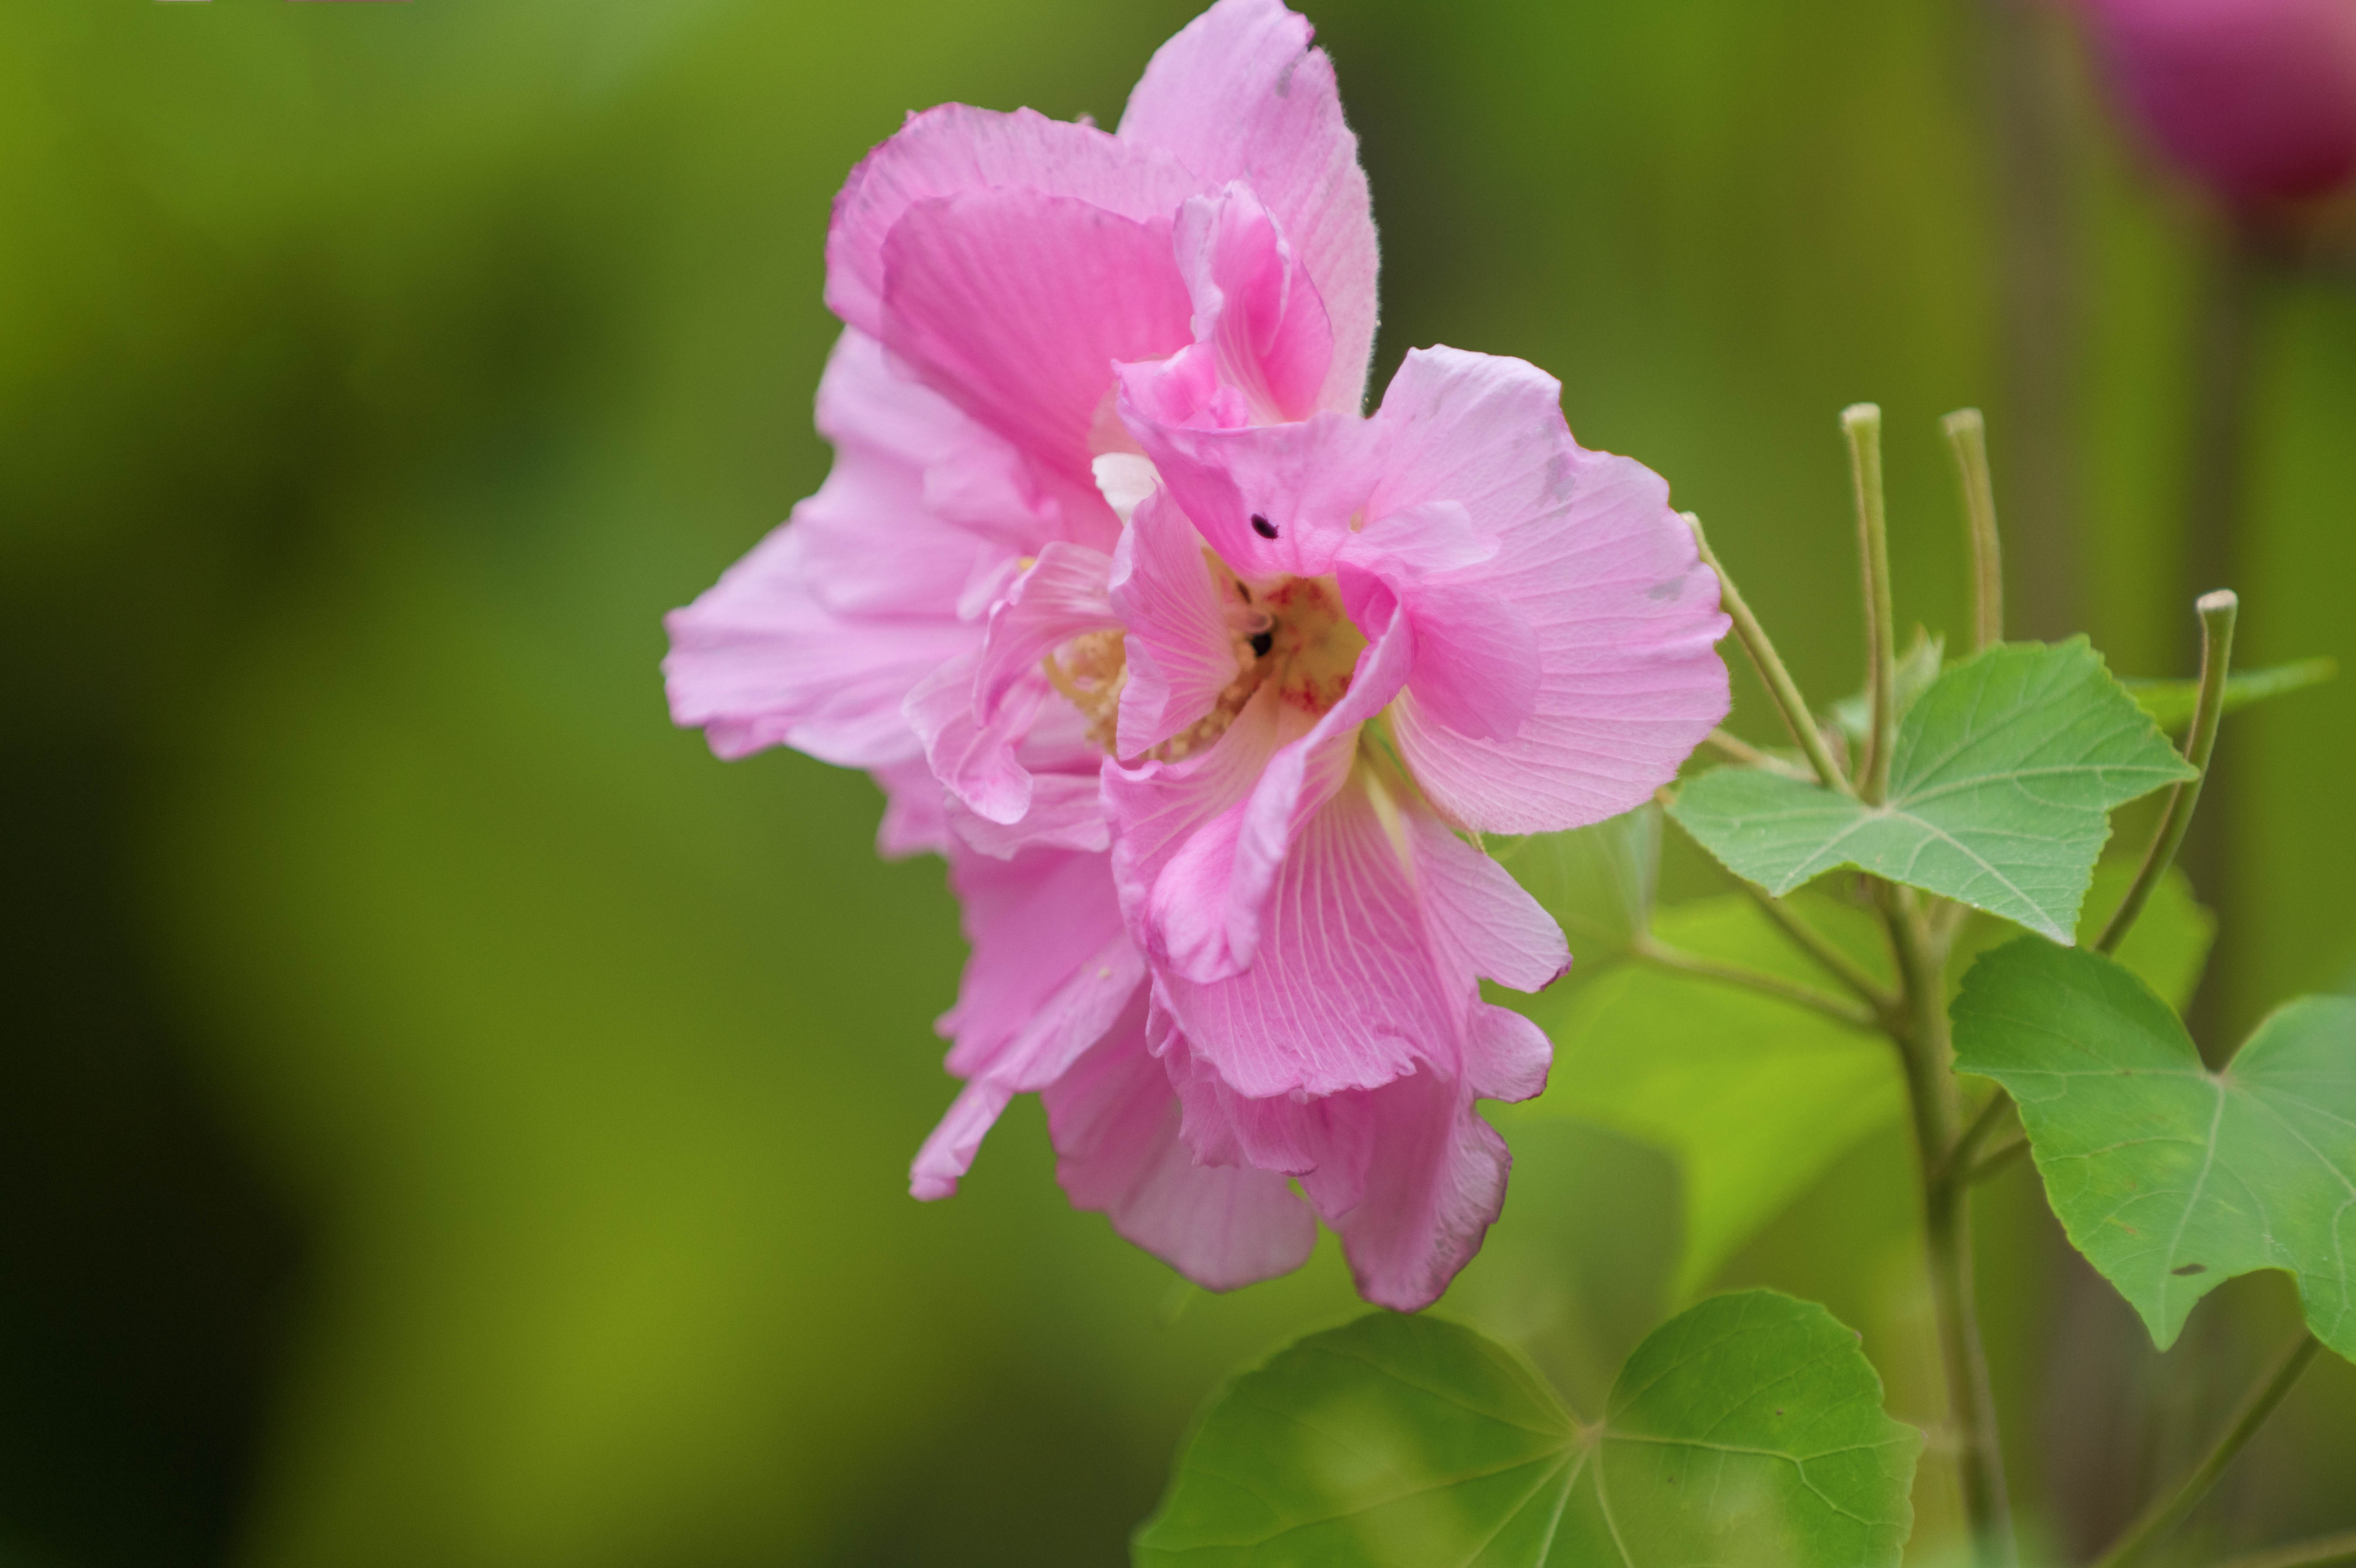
(2257,98)
(1194,673)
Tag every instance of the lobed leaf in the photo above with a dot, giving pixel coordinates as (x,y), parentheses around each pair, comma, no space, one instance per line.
(2172,1179)
(1747,1429)
(2002,780)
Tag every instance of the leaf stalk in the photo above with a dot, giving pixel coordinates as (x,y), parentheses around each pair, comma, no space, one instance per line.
(1967,439)
(2218,613)
(1862,423)
(1770,667)
(1660,954)
(2313,1553)
(2166,1513)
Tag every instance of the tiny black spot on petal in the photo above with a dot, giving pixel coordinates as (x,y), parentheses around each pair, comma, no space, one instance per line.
(1262,527)
(1261,642)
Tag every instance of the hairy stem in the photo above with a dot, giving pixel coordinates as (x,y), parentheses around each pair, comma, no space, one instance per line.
(1967,438)
(1769,664)
(1931,1089)
(2166,1513)
(2313,1553)
(1862,423)
(1655,952)
(2217,613)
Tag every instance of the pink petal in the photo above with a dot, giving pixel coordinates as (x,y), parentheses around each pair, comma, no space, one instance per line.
(916,819)
(1476,657)
(1406,1173)
(1305,482)
(1180,652)
(818,635)
(1624,617)
(1239,95)
(1347,990)
(973,753)
(1067,812)
(1052,971)
(1061,596)
(1254,306)
(1482,921)
(953,149)
(1015,305)
(1115,1120)
(1423,1206)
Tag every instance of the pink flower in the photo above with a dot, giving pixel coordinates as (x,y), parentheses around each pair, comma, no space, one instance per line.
(2257,98)
(1196,676)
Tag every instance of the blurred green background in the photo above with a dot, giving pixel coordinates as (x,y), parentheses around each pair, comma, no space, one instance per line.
(448,1118)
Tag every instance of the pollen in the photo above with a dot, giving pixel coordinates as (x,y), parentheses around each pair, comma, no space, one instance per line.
(1289,633)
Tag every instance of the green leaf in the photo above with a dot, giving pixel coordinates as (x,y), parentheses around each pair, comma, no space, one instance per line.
(1597,881)
(1917,668)
(2167,948)
(2170,702)
(2001,784)
(2170,1178)
(1748,1429)
(1755,1096)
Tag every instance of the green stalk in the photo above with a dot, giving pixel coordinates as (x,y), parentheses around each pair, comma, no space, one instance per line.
(1769,664)
(1862,423)
(1967,438)
(1947,1237)
(2166,1513)
(2217,611)
(1838,1008)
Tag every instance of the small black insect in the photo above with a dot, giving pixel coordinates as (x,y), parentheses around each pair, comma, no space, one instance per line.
(1261,642)
(1262,527)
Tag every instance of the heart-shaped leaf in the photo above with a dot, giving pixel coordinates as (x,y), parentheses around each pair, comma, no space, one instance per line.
(2170,1178)
(2001,782)
(1748,1429)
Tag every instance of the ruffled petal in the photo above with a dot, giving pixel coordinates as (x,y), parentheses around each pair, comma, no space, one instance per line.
(1051,971)
(1181,653)
(954,149)
(1241,95)
(1422,1207)
(1272,500)
(1114,1121)
(1347,990)
(1067,812)
(973,753)
(1624,617)
(1406,1173)
(1015,305)
(1062,595)
(816,637)
(1254,306)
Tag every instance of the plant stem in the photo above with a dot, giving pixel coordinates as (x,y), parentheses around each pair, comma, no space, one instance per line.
(1840,1008)
(2310,1554)
(1985,1168)
(2166,1513)
(1862,423)
(1769,664)
(1967,437)
(1947,1236)
(1959,1157)
(1818,946)
(2217,611)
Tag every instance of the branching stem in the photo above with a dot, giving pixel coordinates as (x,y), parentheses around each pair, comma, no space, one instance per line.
(1769,664)
(2217,611)
(1931,1091)
(1885,1002)
(1737,749)
(2166,1513)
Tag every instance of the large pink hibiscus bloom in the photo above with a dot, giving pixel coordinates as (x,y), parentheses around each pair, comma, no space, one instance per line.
(1196,676)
